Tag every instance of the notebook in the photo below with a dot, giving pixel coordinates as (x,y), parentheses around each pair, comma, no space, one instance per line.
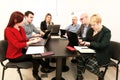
(72,38)
(84,49)
(36,50)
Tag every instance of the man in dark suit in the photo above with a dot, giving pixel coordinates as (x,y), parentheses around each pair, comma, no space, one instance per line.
(85,26)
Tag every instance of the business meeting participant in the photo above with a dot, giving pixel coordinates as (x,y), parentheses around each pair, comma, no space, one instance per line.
(85,26)
(16,37)
(29,27)
(74,27)
(98,38)
(44,25)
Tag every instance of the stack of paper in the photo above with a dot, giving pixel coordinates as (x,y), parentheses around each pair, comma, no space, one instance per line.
(55,37)
(35,50)
(38,51)
(84,49)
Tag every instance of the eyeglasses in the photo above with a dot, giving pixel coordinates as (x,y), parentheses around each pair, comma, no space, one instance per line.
(81,18)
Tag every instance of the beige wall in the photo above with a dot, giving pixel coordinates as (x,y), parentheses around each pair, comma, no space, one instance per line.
(109,10)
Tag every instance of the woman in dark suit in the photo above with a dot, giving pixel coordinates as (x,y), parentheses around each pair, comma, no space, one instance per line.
(98,38)
(46,23)
(44,26)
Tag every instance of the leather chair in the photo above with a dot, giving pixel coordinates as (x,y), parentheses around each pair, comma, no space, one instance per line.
(18,66)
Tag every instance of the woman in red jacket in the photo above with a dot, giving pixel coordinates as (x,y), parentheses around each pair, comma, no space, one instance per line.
(16,37)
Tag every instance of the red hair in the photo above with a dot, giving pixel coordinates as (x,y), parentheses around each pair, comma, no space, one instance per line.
(16,17)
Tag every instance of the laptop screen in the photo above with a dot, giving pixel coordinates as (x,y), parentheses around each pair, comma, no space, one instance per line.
(73,39)
(62,31)
(45,36)
(54,29)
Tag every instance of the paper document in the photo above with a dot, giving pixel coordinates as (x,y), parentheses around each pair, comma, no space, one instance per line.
(84,49)
(35,50)
(55,37)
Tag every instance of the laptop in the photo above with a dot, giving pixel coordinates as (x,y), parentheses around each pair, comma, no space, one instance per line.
(72,38)
(54,29)
(44,41)
(46,35)
(62,33)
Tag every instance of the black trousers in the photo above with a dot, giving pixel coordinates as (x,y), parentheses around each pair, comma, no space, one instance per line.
(36,62)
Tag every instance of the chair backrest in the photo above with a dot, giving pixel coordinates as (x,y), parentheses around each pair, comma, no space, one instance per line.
(3,49)
(115,50)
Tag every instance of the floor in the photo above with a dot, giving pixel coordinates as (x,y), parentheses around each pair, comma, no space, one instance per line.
(11,74)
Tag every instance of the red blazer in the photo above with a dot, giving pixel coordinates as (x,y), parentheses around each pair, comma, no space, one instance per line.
(16,41)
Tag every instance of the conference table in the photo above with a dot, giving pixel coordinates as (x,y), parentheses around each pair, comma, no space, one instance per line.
(58,46)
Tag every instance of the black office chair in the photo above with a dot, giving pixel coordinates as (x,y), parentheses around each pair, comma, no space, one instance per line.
(104,71)
(19,65)
(115,50)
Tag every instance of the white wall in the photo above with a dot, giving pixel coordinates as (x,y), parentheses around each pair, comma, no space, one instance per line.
(62,10)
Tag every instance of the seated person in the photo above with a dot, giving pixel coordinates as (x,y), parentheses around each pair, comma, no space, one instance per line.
(44,26)
(16,37)
(97,38)
(74,27)
(85,26)
(29,29)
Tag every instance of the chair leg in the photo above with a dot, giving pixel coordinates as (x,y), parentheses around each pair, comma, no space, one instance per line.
(4,68)
(106,67)
(117,73)
(117,67)
(18,69)
(104,72)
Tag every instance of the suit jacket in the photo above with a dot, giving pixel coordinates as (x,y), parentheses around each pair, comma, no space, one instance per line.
(80,31)
(43,26)
(100,42)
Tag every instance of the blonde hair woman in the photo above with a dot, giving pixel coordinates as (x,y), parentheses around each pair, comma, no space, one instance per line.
(46,23)
(98,38)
